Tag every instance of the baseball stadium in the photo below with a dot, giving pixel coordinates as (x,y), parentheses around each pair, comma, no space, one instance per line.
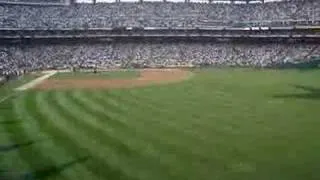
(159,89)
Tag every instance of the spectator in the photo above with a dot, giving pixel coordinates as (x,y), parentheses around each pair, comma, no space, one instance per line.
(158,14)
(15,59)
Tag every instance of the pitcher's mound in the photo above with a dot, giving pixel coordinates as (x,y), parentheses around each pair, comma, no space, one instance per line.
(147,77)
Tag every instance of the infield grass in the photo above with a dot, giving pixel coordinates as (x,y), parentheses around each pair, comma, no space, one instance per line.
(223,124)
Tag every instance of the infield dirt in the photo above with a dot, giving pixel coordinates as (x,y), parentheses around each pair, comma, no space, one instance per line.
(146,77)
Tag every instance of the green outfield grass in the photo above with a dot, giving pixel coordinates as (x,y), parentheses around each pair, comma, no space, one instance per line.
(99,75)
(222,124)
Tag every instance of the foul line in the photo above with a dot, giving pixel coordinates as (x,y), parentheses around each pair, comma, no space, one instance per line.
(28,85)
(7,97)
(36,81)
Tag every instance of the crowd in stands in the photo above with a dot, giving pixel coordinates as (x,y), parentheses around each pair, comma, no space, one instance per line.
(159,14)
(15,59)
(31,1)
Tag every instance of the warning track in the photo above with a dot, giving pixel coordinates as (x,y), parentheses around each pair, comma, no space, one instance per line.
(147,77)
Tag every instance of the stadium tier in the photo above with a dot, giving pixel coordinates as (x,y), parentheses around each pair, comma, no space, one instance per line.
(35,2)
(153,55)
(162,34)
(159,14)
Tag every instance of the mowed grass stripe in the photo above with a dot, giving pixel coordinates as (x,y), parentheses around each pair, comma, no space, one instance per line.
(199,123)
(105,105)
(107,116)
(128,104)
(178,158)
(119,142)
(157,118)
(204,124)
(31,151)
(65,164)
(12,156)
(249,132)
(234,152)
(156,121)
(205,154)
(102,163)
(5,109)
(241,143)
(66,136)
(229,121)
(8,154)
(210,152)
(206,98)
(172,152)
(240,112)
(62,161)
(136,119)
(135,136)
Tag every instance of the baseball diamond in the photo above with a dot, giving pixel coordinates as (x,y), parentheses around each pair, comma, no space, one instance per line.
(218,123)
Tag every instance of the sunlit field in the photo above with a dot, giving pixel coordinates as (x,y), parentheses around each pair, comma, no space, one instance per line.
(221,124)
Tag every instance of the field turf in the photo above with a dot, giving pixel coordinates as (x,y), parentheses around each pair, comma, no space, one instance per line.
(7,89)
(222,124)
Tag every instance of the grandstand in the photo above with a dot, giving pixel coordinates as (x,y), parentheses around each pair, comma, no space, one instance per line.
(111,1)
(161,15)
(123,25)
(35,2)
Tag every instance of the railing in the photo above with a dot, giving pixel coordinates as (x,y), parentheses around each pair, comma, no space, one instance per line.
(35,2)
(149,28)
(308,32)
(112,22)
